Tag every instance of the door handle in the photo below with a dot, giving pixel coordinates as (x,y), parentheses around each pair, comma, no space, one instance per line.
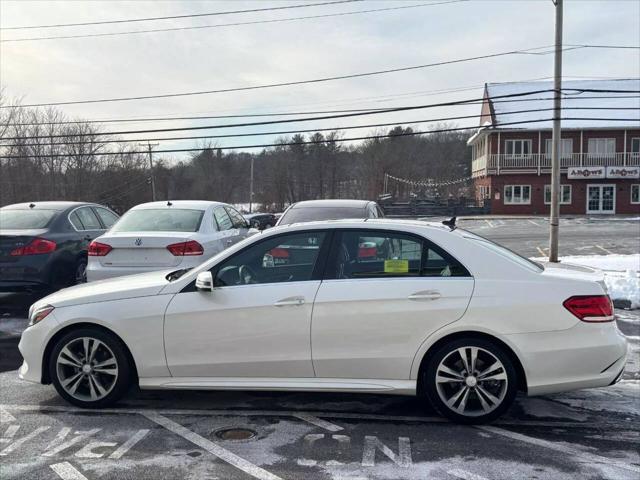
(425,295)
(290,301)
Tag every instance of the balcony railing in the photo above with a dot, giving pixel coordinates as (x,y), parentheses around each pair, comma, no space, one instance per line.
(495,163)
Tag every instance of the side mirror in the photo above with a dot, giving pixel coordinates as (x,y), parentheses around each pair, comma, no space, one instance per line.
(204,281)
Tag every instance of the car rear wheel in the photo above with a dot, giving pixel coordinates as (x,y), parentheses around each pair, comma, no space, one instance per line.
(90,368)
(81,272)
(470,380)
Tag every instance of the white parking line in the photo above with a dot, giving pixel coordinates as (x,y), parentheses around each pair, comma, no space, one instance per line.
(222,453)
(318,422)
(541,252)
(126,446)
(604,250)
(6,417)
(562,448)
(489,223)
(66,471)
(456,472)
(531,221)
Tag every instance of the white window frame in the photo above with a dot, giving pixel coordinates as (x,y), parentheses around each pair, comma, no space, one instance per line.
(513,200)
(637,187)
(566,147)
(547,188)
(594,147)
(600,212)
(513,142)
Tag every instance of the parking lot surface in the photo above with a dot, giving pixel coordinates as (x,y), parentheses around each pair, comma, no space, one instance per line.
(587,434)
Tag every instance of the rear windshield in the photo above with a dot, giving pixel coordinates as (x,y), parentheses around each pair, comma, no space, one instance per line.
(312,214)
(159,220)
(25,219)
(505,252)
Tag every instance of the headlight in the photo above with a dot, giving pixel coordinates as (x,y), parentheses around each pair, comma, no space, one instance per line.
(39,314)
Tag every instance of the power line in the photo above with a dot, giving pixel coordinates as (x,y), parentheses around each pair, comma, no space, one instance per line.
(305,119)
(311,130)
(173,17)
(311,142)
(282,114)
(528,51)
(235,24)
(475,101)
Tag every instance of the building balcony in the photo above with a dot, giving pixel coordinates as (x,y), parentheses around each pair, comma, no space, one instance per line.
(540,163)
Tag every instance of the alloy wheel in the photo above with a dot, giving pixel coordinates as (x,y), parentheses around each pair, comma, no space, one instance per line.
(471,381)
(87,369)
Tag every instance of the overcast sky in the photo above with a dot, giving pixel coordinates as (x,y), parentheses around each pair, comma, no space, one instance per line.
(237,56)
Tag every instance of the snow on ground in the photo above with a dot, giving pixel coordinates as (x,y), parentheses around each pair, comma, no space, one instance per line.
(622,273)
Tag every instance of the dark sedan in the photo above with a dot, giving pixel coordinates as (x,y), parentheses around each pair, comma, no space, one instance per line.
(261,221)
(43,245)
(318,210)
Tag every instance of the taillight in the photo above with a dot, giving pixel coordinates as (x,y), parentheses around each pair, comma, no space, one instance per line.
(590,308)
(184,249)
(37,246)
(97,249)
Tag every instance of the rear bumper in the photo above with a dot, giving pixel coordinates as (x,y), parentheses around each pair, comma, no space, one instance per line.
(588,355)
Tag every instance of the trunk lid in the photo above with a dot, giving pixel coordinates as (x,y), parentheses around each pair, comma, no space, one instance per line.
(12,239)
(144,249)
(574,272)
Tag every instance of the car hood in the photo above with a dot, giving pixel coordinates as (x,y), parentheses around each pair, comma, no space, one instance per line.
(130,286)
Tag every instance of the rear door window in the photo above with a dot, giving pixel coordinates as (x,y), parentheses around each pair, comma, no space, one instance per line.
(237,219)
(88,219)
(107,216)
(381,254)
(222,219)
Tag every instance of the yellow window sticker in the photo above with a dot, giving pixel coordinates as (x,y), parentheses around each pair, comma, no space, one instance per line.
(396,266)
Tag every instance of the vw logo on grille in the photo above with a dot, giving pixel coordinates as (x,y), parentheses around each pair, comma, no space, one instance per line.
(138,241)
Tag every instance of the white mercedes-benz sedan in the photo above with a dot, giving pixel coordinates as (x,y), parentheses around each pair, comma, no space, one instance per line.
(375,306)
(160,235)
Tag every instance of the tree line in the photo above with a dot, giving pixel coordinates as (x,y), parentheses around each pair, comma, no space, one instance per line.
(73,166)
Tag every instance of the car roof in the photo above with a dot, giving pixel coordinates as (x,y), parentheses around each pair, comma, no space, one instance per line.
(191,204)
(381,223)
(61,206)
(342,203)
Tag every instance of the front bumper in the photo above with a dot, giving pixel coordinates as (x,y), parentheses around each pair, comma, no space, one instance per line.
(588,355)
(32,345)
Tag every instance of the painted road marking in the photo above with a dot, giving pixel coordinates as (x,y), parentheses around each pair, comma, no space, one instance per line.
(66,471)
(62,434)
(222,453)
(535,223)
(371,444)
(289,413)
(318,422)
(126,446)
(488,223)
(88,451)
(541,252)
(6,417)
(456,472)
(604,250)
(80,436)
(15,445)
(560,447)
(9,433)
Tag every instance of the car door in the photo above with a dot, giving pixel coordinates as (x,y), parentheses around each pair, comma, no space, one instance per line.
(226,229)
(86,222)
(239,223)
(107,217)
(257,320)
(383,294)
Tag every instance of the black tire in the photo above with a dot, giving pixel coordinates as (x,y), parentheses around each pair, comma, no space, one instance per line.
(116,389)
(476,400)
(80,272)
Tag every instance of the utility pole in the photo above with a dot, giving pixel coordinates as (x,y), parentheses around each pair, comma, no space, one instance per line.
(150,145)
(554,220)
(251,188)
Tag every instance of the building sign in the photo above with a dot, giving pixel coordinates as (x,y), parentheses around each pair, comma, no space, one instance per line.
(585,172)
(623,172)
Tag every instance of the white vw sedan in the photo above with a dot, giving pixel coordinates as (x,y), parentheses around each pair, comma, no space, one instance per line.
(161,235)
(360,306)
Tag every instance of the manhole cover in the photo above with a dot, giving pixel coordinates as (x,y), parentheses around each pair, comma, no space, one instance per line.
(235,434)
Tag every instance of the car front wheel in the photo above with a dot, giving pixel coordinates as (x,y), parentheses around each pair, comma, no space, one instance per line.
(470,380)
(89,368)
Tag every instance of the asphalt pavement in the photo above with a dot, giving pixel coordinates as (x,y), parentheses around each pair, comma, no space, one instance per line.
(587,434)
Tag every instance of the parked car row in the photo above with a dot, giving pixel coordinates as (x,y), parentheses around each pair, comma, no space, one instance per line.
(45,246)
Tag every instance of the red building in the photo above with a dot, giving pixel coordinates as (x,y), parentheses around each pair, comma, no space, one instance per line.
(600,148)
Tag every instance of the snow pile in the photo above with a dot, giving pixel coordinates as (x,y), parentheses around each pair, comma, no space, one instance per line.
(622,274)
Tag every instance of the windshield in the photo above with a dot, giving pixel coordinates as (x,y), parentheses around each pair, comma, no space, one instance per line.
(312,214)
(505,252)
(159,220)
(25,219)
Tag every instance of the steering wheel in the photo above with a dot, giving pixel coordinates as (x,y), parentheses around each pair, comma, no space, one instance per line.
(246,274)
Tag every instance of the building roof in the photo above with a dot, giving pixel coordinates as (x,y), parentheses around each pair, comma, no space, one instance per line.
(573,96)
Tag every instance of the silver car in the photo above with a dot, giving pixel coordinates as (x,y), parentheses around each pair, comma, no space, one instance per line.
(178,234)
